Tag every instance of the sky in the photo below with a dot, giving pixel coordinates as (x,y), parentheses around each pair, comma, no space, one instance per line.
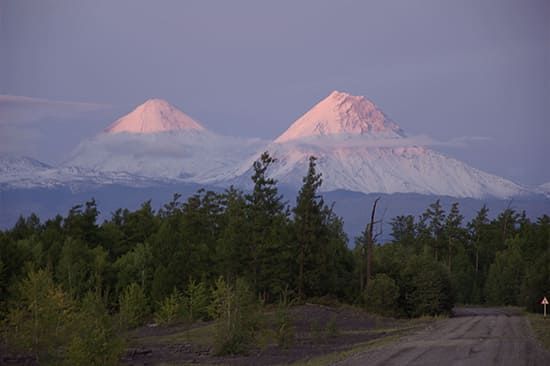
(472,71)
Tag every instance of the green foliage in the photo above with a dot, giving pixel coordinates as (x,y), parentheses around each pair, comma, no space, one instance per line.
(536,284)
(135,266)
(323,260)
(38,323)
(196,300)
(236,313)
(163,283)
(284,328)
(133,306)
(74,269)
(95,340)
(427,287)
(142,257)
(381,295)
(171,309)
(267,232)
(505,276)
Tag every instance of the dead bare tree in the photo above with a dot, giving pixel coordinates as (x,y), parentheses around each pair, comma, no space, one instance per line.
(370,240)
(367,247)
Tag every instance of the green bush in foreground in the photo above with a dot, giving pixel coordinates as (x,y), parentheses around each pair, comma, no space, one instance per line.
(170,309)
(381,295)
(428,289)
(235,310)
(284,328)
(196,300)
(133,306)
(55,330)
(95,341)
(39,324)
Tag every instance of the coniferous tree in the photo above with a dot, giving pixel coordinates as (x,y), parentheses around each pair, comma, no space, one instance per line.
(267,219)
(233,241)
(435,218)
(307,223)
(453,232)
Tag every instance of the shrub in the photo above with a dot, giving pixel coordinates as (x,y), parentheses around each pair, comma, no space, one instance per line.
(381,295)
(427,287)
(236,313)
(94,340)
(536,284)
(196,300)
(38,324)
(133,306)
(170,310)
(503,283)
(284,329)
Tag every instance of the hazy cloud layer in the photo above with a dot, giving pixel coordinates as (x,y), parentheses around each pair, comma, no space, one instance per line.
(165,145)
(43,128)
(350,141)
(20,109)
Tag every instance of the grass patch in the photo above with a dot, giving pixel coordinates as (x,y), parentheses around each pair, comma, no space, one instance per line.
(541,328)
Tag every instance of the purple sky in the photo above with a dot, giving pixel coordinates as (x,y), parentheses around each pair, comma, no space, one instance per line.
(447,69)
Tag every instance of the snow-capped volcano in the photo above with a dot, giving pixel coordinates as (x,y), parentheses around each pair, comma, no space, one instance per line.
(359,149)
(342,114)
(357,146)
(154,116)
(158,140)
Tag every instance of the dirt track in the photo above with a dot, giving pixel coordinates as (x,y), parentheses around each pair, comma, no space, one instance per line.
(479,336)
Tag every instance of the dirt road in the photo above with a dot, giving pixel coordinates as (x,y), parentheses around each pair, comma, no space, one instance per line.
(478,336)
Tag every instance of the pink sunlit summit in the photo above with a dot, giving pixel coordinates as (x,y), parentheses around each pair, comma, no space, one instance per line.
(154,116)
(342,113)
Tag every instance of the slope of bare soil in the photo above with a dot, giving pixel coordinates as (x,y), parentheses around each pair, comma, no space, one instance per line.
(318,330)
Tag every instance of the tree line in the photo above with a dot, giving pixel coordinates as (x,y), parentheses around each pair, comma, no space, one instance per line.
(188,257)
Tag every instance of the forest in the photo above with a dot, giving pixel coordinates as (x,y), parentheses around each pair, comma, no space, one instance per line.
(70,284)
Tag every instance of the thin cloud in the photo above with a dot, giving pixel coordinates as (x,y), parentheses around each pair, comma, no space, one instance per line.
(347,141)
(15,109)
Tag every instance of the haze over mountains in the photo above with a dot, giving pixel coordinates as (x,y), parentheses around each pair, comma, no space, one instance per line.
(357,146)
(159,148)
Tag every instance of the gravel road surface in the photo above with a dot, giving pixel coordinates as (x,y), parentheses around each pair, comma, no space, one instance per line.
(473,336)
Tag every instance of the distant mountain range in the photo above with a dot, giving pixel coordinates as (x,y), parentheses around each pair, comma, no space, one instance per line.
(357,146)
(358,149)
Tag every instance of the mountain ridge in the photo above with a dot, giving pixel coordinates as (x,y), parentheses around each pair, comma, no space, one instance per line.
(358,148)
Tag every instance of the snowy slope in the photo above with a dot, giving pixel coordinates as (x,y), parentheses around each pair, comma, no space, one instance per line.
(360,149)
(157,140)
(20,169)
(544,189)
(24,172)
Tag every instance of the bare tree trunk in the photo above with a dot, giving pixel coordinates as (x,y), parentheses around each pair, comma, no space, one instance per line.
(370,241)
